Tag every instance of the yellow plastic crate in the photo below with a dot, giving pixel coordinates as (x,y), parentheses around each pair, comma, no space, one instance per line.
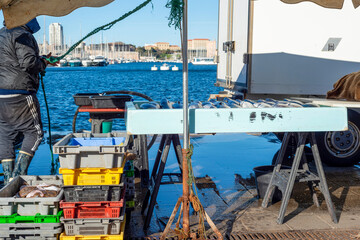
(91,176)
(97,237)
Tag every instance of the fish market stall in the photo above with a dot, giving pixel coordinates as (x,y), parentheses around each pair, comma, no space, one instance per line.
(295,119)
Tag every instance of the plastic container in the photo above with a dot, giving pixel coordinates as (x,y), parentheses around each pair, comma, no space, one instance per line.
(106,126)
(102,226)
(130,204)
(93,226)
(130,173)
(91,176)
(93,193)
(87,150)
(110,101)
(38,218)
(31,230)
(262,180)
(92,209)
(83,99)
(120,236)
(10,204)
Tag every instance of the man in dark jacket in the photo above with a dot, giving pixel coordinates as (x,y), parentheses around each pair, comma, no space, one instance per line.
(20,65)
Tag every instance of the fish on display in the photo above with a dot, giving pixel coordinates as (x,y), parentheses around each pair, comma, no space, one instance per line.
(294,101)
(281,104)
(311,105)
(247,104)
(231,103)
(266,105)
(165,104)
(208,105)
(42,190)
(270,100)
(177,105)
(295,105)
(221,105)
(195,104)
(150,105)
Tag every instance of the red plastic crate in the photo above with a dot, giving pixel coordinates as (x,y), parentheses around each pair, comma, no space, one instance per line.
(106,209)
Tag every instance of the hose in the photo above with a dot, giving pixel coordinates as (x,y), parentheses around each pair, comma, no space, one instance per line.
(74,120)
(130,93)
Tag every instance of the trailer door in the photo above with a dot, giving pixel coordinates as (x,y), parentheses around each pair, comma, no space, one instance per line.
(233,44)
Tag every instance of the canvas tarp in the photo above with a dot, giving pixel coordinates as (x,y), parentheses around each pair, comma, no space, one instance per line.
(326,3)
(19,12)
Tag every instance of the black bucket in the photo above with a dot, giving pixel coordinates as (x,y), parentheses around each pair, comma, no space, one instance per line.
(262,180)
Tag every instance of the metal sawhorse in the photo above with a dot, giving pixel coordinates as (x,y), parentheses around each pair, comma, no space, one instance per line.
(284,179)
(158,177)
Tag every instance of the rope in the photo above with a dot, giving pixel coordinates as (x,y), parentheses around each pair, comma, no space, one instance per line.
(96,30)
(194,199)
(42,74)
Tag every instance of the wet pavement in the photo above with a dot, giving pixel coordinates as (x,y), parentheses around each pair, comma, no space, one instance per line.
(223,167)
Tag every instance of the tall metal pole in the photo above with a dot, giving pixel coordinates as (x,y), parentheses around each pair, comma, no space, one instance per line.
(44,41)
(186,202)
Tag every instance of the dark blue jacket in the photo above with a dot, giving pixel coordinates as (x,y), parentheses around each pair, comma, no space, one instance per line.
(20,63)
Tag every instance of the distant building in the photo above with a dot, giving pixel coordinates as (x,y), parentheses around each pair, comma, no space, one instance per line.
(149,46)
(201,47)
(56,36)
(162,46)
(174,48)
(113,50)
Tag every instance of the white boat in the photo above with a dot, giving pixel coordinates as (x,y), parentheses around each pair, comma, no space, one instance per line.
(86,63)
(63,63)
(203,61)
(164,67)
(75,62)
(154,68)
(100,61)
(175,68)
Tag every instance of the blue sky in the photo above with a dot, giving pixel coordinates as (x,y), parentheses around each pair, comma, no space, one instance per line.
(149,25)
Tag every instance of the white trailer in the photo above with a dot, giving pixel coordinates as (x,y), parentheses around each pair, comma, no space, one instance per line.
(267,48)
(285,49)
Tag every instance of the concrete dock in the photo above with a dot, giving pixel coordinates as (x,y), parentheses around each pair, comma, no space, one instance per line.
(227,190)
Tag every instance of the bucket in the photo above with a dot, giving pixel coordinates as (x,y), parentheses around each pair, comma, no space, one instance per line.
(262,180)
(106,126)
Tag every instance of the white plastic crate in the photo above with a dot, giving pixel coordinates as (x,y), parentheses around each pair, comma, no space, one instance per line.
(87,150)
(10,203)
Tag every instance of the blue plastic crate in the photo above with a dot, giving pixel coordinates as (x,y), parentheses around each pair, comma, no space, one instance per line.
(88,142)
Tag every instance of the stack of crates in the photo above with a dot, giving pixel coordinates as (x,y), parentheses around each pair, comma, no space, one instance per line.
(92,166)
(129,173)
(130,183)
(35,218)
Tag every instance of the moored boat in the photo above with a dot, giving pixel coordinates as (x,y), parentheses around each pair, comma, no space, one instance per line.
(203,61)
(164,67)
(75,62)
(154,68)
(100,61)
(86,62)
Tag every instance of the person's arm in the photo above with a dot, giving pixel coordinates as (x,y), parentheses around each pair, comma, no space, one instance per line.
(26,54)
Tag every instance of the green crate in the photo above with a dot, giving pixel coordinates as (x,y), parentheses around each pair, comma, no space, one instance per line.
(129,173)
(130,204)
(38,218)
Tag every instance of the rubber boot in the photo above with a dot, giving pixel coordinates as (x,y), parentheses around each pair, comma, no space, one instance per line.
(8,167)
(22,164)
